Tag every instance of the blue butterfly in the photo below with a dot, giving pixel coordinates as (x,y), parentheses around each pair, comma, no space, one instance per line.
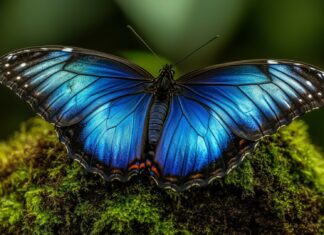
(117,120)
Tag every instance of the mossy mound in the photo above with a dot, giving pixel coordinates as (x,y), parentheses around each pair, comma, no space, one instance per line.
(277,190)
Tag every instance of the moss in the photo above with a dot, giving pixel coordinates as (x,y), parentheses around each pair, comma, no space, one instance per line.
(279,189)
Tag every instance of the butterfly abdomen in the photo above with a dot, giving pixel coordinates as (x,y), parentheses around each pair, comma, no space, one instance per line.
(158,113)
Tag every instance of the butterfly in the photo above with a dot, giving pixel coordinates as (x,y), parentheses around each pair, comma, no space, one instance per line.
(117,120)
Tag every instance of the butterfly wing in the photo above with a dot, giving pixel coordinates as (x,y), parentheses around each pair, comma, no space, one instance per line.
(96,102)
(218,114)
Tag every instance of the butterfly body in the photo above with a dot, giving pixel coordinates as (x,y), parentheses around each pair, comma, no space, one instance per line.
(156,120)
(117,120)
(162,89)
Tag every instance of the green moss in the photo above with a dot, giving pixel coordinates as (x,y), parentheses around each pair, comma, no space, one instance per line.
(123,214)
(279,189)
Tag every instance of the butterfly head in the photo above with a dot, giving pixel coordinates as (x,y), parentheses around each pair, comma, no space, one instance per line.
(167,71)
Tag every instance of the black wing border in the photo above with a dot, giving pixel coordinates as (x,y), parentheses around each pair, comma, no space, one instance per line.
(183,78)
(80,50)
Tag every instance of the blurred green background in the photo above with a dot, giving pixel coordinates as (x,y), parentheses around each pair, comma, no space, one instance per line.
(249,29)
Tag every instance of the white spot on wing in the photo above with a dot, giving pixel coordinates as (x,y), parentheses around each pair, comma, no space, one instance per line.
(67,49)
(300,100)
(25,85)
(272,62)
(18,78)
(309,83)
(297,64)
(23,64)
(310,96)
(7,65)
(8,73)
(320,93)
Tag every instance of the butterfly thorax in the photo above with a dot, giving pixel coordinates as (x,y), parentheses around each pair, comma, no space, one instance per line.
(164,82)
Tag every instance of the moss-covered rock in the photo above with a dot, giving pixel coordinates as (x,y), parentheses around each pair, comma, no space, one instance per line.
(277,190)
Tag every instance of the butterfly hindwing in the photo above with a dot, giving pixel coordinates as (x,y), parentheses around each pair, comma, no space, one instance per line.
(110,138)
(195,145)
(93,99)
(218,114)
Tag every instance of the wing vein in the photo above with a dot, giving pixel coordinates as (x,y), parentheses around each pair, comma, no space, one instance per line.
(206,98)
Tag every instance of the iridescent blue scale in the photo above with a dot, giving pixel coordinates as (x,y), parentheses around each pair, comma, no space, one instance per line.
(118,121)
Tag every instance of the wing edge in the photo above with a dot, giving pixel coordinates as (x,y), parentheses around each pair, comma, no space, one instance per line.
(85,51)
(196,72)
(122,177)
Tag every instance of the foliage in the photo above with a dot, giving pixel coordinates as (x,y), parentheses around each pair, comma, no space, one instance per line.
(278,190)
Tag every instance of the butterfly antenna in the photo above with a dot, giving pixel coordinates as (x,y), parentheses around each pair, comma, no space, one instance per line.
(142,40)
(193,52)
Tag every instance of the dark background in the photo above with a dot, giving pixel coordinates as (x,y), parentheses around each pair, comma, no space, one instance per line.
(249,29)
